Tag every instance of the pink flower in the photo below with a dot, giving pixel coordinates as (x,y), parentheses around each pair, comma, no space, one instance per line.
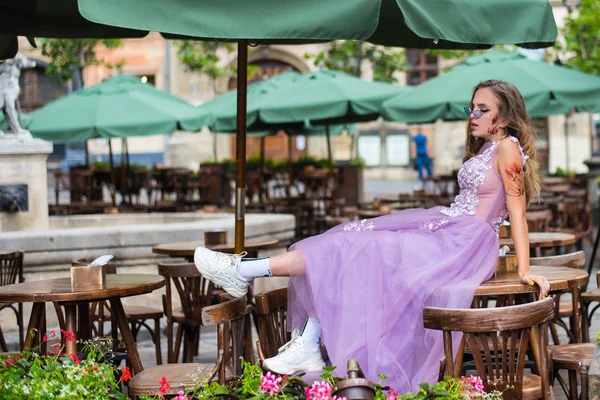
(164,385)
(69,336)
(269,383)
(475,382)
(391,395)
(181,396)
(319,391)
(11,360)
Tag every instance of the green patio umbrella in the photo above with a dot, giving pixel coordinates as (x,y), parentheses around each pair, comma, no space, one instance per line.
(547,89)
(119,107)
(219,114)
(409,23)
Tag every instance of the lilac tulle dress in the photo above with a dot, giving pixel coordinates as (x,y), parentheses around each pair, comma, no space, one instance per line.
(368,281)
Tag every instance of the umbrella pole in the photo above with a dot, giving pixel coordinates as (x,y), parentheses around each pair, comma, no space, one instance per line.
(331,174)
(290,165)
(127,171)
(112,174)
(87,155)
(240,145)
(123,171)
(262,169)
(567,143)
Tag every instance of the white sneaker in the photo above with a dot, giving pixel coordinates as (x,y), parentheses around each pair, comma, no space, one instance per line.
(295,356)
(222,269)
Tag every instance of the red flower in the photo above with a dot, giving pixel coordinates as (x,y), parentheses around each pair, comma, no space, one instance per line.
(164,385)
(95,368)
(76,360)
(19,357)
(11,360)
(126,374)
(69,336)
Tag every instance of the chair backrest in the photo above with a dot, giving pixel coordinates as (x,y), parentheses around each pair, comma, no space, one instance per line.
(538,221)
(109,268)
(11,268)
(498,339)
(575,216)
(271,310)
(569,260)
(230,318)
(193,289)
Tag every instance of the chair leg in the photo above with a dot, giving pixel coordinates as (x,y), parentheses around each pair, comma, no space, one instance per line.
(21,326)
(554,334)
(178,339)
(157,341)
(572,385)
(2,341)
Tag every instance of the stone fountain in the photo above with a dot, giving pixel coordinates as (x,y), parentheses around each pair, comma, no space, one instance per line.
(23,159)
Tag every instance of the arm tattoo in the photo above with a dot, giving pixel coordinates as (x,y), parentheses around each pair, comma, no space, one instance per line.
(516,180)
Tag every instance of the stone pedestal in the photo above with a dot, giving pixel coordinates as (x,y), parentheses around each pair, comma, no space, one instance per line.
(23,166)
(594,166)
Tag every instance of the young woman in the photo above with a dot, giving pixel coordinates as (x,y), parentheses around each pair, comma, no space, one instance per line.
(361,287)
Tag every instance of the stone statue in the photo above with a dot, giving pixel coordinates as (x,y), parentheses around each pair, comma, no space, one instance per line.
(10,71)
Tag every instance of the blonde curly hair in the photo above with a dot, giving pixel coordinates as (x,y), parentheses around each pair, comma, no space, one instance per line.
(511,106)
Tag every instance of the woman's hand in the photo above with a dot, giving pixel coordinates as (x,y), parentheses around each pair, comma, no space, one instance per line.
(542,282)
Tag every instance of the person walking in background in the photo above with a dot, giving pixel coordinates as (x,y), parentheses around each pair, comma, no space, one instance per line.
(422,159)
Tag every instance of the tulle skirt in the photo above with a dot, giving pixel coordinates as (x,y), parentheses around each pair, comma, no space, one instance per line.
(368,281)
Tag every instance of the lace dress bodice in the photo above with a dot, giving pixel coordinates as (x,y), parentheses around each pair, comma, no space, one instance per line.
(481,190)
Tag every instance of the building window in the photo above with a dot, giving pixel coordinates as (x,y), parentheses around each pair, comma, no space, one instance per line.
(397,149)
(421,66)
(369,149)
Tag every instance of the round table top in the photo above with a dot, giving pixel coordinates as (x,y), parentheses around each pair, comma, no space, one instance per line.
(559,278)
(186,249)
(554,180)
(117,285)
(543,239)
(7,251)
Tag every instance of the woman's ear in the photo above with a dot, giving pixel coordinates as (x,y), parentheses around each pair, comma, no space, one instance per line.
(494,119)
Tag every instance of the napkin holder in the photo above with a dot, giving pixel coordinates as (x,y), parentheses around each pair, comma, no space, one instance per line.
(506,264)
(88,277)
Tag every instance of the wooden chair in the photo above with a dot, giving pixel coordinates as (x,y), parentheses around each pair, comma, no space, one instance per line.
(137,316)
(498,339)
(271,310)
(229,317)
(11,271)
(195,293)
(567,308)
(576,219)
(538,221)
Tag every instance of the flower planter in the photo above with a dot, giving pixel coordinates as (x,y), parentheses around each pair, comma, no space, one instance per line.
(356,387)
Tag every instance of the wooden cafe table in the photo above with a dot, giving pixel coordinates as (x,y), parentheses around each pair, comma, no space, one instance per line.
(543,239)
(59,291)
(560,279)
(187,249)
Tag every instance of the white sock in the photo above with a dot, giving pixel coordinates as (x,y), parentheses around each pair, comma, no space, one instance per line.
(311,332)
(254,268)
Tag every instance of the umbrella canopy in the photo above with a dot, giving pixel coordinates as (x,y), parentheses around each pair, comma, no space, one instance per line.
(406,23)
(120,107)
(220,113)
(410,23)
(547,89)
(53,19)
(25,121)
(332,96)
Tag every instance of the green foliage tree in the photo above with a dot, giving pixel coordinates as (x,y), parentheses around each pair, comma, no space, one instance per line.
(581,49)
(68,57)
(350,56)
(202,56)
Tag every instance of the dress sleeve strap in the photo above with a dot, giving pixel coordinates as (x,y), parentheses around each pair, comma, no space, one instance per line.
(524,157)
